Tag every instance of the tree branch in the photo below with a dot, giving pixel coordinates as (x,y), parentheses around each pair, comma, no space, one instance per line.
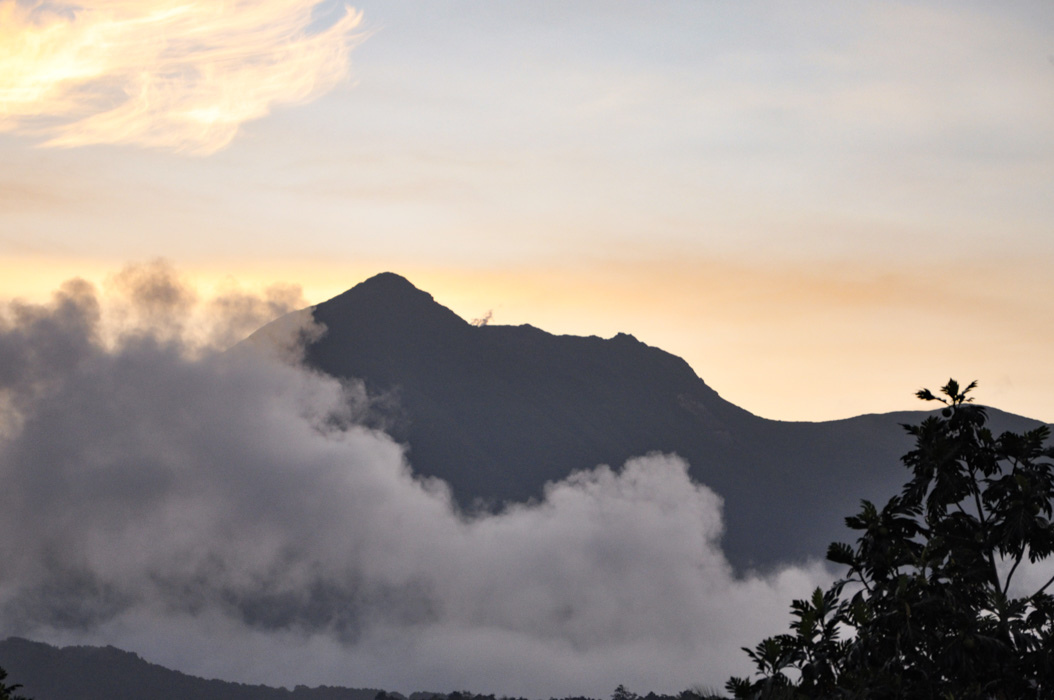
(1045,586)
(1020,556)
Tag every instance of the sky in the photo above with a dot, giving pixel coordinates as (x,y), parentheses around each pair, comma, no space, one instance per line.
(821,206)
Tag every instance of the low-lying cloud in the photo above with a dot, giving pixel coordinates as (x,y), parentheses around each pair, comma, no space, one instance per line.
(169,74)
(229,515)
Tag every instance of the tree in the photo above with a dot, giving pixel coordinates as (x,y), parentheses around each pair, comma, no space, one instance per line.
(934,603)
(7,692)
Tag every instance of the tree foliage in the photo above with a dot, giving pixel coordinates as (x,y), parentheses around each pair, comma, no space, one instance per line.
(936,601)
(7,692)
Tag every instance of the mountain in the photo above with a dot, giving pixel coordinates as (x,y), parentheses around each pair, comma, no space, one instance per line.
(107,673)
(497,411)
(46,672)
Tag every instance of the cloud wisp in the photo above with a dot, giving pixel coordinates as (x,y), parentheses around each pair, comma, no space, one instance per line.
(167,74)
(231,515)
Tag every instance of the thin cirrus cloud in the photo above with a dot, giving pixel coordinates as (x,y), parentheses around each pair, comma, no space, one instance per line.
(166,74)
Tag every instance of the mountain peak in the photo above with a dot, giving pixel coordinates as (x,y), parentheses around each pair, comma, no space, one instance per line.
(384,316)
(388,281)
(387,295)
(387,285)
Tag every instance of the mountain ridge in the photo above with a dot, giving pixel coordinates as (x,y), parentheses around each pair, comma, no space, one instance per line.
(499,411)
(48,672)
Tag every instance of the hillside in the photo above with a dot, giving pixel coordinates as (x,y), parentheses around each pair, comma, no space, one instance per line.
(106,673)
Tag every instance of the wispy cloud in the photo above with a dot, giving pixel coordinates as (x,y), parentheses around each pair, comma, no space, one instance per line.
(170,74)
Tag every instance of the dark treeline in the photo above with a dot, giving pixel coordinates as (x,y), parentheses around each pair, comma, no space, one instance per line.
(45,672)
(620,693)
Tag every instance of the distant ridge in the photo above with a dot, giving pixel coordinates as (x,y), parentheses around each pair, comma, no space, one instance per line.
(498,411)
(108,673)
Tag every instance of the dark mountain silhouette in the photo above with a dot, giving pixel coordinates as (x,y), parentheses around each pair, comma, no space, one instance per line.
(497,411)
(107,673)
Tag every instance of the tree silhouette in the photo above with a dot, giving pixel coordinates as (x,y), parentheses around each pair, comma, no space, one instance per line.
(7,692)
(947,598)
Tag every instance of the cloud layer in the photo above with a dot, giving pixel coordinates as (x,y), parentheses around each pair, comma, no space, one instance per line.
(229,515)
(169,74)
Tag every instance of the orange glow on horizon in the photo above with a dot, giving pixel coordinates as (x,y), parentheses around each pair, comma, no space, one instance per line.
(808,342)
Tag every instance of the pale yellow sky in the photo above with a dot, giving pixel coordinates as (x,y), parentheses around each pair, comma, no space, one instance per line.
(821,208)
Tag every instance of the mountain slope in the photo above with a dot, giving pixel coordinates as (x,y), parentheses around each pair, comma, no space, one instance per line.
(107,673)
(497,411)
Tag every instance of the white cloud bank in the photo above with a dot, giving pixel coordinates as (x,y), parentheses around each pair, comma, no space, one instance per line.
(170,74)
(229,516)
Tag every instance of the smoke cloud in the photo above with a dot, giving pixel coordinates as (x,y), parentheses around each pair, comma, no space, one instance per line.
(168,74)
(228,514)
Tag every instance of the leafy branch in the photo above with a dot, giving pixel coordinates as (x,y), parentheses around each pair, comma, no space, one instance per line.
(933,614)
